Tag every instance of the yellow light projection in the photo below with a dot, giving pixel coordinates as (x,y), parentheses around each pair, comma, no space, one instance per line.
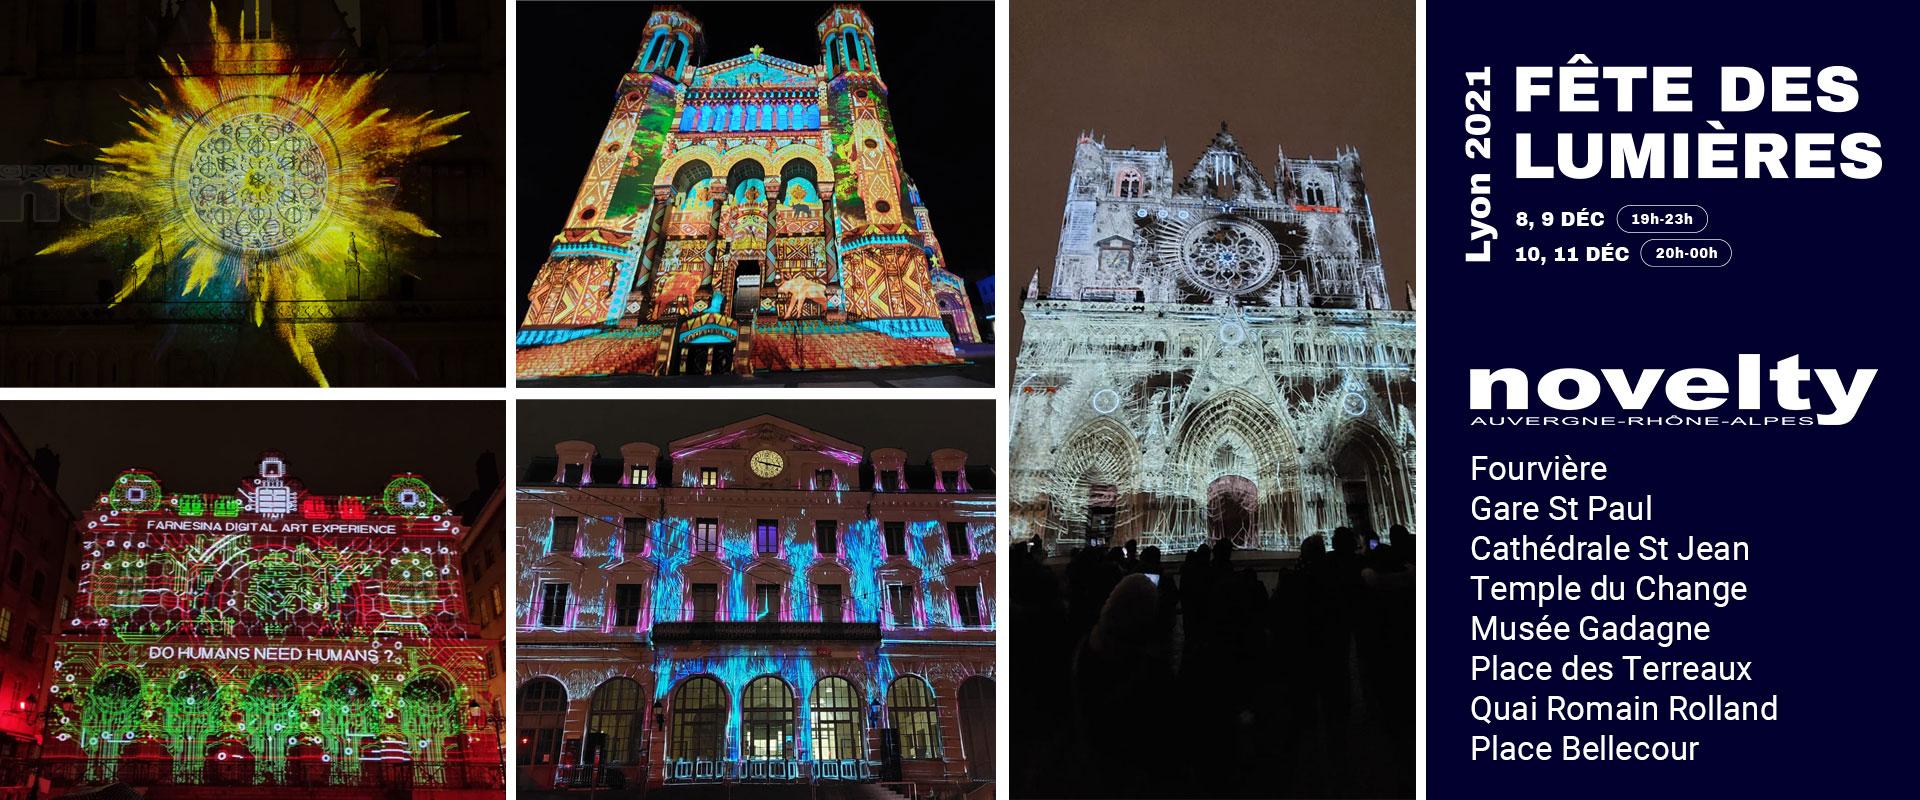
(263,183)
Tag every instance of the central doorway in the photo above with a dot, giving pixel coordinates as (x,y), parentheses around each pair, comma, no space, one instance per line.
(1231,501)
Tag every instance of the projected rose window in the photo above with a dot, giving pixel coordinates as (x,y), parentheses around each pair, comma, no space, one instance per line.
(1228,256)
(256,181)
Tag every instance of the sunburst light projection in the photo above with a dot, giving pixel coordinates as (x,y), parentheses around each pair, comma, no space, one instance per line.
(262,183)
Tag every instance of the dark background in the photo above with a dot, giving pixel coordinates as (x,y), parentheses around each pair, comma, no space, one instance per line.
(936,59)
(1309,77)
(1818,269)
(334,447)
(916,426)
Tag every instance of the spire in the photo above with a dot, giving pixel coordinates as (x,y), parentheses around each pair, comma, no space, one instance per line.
(1033,285)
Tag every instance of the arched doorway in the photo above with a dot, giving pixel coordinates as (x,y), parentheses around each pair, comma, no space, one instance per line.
(614,735)
(836,721)
(1231,516)
(698,725)
(976,726)
(1371,490)
(766,720)
(543,714)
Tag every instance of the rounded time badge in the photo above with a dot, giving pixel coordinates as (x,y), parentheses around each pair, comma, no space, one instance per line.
(768,463)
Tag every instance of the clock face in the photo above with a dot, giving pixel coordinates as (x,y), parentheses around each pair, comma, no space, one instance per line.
(768,463)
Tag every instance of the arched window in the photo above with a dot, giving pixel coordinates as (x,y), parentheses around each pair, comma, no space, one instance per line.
(766,719)
(1128,183)
(615,714)
(836,721)
(780,117)
(687,117)
(853,51)
(910,708)
(543,714)
(699,720)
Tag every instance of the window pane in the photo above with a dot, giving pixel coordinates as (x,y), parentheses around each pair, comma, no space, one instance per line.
(553,605)
(826,536)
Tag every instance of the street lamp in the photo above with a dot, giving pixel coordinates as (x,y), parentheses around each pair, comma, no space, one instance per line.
(496,721)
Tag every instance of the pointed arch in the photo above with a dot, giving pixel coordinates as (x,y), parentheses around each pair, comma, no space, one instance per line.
(1369,477)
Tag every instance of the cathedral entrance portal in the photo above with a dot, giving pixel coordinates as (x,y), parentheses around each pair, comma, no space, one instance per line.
(1231,500)
(1101,501)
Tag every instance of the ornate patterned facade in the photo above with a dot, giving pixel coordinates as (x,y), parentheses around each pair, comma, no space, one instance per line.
(760,602)
(272,636)
(746,215)
(1216,358)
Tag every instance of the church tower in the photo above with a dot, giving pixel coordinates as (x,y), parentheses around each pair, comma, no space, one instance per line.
(743,215)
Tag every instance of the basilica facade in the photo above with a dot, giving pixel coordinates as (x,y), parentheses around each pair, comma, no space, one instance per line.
(747,215)
(1216,358)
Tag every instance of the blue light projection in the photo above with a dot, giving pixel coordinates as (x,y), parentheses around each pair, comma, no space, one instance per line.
(860,541)
(672,549)
(926,549)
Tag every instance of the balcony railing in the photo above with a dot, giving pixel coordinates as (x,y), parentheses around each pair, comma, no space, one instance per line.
(685,770)
(476,774)
(771,630)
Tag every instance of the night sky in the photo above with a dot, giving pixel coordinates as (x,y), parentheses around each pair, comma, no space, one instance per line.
(936,59)
(1307,76)
(335,447)
(916,426)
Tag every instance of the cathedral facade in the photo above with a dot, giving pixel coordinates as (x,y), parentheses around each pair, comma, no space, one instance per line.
(746,215)
(1216,358)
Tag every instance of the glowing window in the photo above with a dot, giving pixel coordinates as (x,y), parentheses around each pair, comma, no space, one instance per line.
(615,714)
(910,706)
(699,721)
(766,536)
(836,720)
(766,720)
(709,476)
(706,535)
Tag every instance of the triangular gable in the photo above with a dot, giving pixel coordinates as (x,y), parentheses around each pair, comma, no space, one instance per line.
(756,69)
(758,427)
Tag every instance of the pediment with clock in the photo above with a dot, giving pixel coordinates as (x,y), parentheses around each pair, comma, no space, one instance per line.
(770,452)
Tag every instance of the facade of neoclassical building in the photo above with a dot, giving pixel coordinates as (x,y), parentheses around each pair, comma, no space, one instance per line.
(1216,358)
(747,215)
(757,603)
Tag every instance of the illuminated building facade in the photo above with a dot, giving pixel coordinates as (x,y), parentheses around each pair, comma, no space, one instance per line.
(373,303)
(272,636)
(756,603)
(36,548)
(747,215)
(1216,358)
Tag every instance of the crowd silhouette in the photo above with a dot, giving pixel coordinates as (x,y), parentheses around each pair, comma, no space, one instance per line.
(1219,678)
